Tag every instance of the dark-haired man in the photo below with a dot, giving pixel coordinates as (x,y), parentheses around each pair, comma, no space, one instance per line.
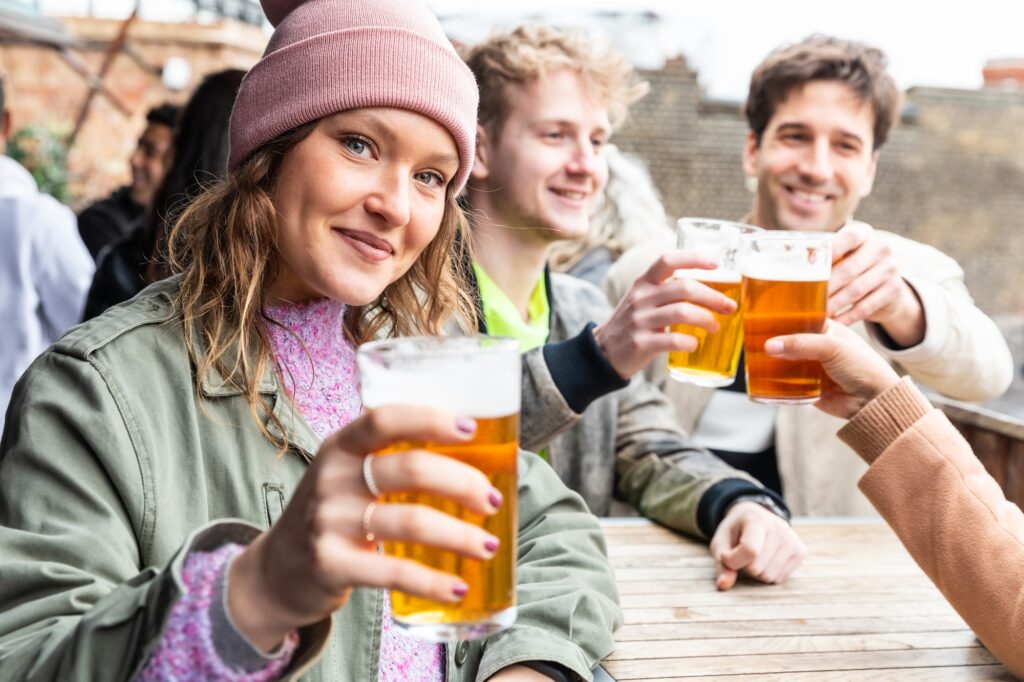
(109,218)
(819,112)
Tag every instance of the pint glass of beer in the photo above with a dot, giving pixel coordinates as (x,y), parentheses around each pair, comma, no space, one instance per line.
(477,377)
(785,284)
(714,362)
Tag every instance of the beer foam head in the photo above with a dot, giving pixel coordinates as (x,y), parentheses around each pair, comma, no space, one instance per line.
(788,256)
(471,376)
(723,275)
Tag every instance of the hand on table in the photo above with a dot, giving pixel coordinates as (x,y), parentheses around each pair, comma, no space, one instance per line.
(636,330)
(306,565)
(754,540)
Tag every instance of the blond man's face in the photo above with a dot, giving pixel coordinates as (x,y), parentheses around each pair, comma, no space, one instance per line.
(545,171)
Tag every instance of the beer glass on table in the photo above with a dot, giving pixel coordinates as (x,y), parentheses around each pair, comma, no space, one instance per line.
(785,285)
(478,377)
(714,361)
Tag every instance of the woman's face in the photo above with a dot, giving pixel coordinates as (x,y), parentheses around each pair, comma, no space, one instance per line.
(357,201)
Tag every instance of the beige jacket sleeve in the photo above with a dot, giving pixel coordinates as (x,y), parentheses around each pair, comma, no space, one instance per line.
(963,355)
(948,512)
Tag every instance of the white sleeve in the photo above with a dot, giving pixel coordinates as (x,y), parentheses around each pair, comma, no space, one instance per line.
(62,265)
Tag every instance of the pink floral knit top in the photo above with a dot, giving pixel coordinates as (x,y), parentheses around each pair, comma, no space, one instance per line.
(319,371)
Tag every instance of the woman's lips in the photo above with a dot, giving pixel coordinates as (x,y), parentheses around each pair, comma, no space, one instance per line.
(370,247)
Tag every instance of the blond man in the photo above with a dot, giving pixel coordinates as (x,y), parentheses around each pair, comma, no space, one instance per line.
(549,103)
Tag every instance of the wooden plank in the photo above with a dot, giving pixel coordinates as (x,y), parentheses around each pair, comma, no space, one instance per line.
(976,673)
(772,594)
(1014,486)
(798,583)
(651,632)
(991,449)
(705,569)
(813,561)
(772,611)
(840,547)
(682,668)
(743,646)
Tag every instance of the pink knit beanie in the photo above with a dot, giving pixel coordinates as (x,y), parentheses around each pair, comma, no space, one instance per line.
(328,56)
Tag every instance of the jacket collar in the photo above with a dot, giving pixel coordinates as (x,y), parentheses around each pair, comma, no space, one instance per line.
(214,384)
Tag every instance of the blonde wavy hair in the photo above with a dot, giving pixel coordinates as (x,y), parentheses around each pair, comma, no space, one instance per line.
(530,52)
(224,245)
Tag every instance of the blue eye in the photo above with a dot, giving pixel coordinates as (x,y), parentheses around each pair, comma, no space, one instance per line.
(431,178)
(356,145)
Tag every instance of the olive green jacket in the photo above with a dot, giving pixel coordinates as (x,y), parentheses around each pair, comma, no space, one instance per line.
(112,470)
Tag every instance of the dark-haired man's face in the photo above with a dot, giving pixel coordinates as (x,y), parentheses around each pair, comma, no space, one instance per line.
(815,161)
(147,162)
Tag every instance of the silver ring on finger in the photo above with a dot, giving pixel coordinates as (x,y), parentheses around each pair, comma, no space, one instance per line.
(367,517)
(371,484)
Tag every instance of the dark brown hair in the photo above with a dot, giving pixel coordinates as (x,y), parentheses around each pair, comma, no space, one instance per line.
(823,58)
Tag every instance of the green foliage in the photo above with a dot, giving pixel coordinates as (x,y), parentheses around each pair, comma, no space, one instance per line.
(42,150)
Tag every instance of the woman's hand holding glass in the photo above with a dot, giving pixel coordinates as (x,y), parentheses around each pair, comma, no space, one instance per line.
(858,372)
(324,544)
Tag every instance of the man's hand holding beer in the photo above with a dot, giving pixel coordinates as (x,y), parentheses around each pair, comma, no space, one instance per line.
(637,330)
(867,285)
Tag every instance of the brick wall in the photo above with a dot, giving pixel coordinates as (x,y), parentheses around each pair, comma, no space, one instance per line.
(44,89)
(952,175)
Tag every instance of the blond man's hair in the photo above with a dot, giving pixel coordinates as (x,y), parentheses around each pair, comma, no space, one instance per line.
(531,52)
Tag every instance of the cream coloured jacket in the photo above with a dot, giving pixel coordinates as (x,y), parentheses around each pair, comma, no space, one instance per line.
(963,356)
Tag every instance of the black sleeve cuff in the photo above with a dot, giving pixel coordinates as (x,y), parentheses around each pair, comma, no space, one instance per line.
(580,370)
(558,673)
(716,500)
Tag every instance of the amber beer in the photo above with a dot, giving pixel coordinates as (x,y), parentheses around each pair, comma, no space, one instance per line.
(714,361)
(477,377)
(785,287)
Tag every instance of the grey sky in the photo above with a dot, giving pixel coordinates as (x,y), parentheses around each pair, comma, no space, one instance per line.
(939,44)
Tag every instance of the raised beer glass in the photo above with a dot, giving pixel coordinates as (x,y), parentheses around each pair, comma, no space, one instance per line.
(714,362)
(479,377)
(785,284)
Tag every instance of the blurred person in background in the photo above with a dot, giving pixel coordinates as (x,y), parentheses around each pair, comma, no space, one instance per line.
(107,219)
(197,158)
(630,214)
(819,112)
(44,268)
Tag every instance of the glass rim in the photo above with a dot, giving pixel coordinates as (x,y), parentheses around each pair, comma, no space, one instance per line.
(740,228)
(791,235)
(437,346)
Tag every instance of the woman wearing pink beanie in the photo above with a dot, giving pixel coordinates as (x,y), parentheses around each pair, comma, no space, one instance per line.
(181,486)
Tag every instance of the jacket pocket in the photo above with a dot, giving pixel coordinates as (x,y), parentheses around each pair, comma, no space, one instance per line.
(273,501)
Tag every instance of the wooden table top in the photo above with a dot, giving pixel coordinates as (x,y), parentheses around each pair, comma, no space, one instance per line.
(858,609)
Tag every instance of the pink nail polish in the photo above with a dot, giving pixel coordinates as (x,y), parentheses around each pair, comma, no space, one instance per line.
(460,590)
(495,498)
(491,545)
(465,424)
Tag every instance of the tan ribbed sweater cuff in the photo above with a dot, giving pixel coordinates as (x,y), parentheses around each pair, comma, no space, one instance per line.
(882,420)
